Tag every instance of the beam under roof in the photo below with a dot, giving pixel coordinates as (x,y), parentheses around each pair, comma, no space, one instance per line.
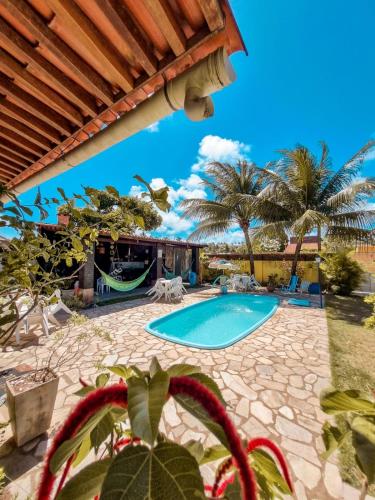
(68,67)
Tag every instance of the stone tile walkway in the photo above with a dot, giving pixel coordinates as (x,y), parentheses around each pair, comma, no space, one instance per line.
(271,381)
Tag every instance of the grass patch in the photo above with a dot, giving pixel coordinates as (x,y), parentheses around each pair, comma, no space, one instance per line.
(352,350)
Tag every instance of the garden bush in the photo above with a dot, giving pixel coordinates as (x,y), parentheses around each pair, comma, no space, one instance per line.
(341,274)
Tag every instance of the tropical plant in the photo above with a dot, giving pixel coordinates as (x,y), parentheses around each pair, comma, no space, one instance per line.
(370,322)
(127,213)
(216,216)
(120,424)
(341,274)
(30,265)
(358,409)
(303,194)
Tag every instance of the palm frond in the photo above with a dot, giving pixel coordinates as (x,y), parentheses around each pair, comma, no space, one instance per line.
(362,219)
(210,229)
(347,172)
(351,195)
(199,209)
(308,221)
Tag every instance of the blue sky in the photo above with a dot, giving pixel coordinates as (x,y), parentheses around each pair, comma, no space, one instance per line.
(309,76)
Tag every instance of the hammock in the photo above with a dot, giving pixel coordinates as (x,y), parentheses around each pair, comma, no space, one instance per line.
(123,286)
(184,274)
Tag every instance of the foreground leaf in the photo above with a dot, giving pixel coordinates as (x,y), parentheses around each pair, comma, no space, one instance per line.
(121,370)
(166,472)
(333,438)
(182,369)
(343,401)
(145,404)
(365,452)
(364,426)
(214,453)
(265,465)
(87,483)
(71,445)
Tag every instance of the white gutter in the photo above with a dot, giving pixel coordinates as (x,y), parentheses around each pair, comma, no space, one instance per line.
(189,91)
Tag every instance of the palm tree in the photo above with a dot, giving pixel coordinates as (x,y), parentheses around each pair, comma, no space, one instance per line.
(219,214)
(303,194)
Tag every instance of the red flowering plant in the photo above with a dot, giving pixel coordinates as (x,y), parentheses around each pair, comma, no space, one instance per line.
(118,425)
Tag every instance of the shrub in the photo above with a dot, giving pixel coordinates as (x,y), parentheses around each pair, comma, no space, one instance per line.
(119,424)
(358,410)
(341,273)
(370,322)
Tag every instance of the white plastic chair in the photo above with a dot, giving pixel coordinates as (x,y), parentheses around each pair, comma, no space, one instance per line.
(101,287)
(56,306)
(38,315)
(254,283)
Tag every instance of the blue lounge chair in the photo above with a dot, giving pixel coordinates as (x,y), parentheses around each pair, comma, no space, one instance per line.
(292,286)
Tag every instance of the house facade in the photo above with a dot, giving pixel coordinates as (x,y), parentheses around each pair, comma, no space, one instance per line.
(131,255)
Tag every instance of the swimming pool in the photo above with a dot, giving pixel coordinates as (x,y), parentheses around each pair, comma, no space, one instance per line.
(215,323)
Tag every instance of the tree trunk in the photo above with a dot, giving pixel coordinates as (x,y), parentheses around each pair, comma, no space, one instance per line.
(319,239)
(249,247)
(296,256)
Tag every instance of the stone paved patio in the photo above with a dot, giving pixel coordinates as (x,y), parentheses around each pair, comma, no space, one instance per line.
(271,381)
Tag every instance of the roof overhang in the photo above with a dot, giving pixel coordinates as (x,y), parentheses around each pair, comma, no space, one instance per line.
(70,68)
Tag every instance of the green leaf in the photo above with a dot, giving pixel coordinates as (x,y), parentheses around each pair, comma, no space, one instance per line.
(155,366)
(336,402)
(68,447)
(365,451)
(139,220)
(209,383)
(100,433)
(69,261)
(264,463)
(77,245)
(83,451)
(115,234)
(166,472)
(233,490)
(214,453)
(196,449)
(182,369)
(122,371)
(364,426)
(13,210)
(333,438)
(200,413)
(145,404)
(102,379)
(84,391)
(62,193)
(113,191)
(38,198)
(27,210)
(86,484)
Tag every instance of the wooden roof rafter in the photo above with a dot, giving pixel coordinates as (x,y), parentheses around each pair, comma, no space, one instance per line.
(68,67)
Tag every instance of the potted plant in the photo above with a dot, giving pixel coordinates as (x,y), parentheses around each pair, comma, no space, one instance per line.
(31,396)
(115,429)
(272,282)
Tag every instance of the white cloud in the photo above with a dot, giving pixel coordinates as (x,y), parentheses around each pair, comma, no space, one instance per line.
(173,224)
(216,148)
(154,127)
(370,155)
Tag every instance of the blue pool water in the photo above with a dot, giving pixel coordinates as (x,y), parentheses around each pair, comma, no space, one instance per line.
(215,323)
